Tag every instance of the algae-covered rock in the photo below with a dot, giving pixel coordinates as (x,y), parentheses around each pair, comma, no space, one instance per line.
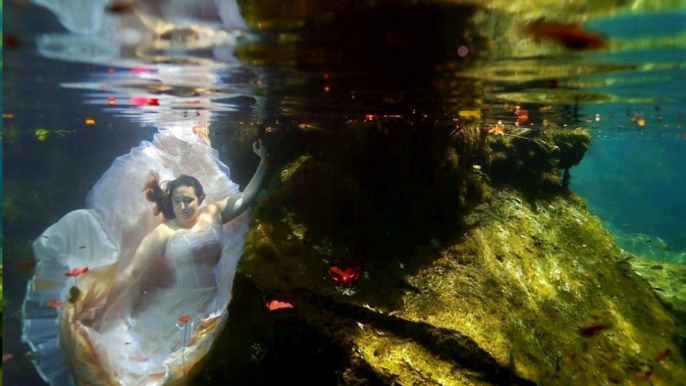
(535,160)
(508,291)
(669,282)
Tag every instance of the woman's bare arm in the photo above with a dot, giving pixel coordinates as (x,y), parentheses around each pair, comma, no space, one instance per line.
(232,207)
(151,246)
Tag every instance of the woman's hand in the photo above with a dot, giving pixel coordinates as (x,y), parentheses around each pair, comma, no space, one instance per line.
(261,150)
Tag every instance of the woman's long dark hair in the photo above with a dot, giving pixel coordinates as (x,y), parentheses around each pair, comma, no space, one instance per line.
(161,195)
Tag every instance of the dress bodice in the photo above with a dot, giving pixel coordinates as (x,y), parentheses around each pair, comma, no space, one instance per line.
(191,255)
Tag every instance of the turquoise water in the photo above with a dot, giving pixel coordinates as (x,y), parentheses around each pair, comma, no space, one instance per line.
(633,176)
(636,186)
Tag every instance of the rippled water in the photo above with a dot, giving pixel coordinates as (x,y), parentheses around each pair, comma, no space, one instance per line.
(72,102)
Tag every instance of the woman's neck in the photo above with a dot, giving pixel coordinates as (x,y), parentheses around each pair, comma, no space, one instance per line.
(188,224)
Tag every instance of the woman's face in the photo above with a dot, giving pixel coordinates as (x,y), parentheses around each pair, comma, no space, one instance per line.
(186,205)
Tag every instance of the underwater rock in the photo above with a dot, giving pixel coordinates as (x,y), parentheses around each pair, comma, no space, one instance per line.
(669,282)
(525,293)
(465,277)
(653,248)
(534,159)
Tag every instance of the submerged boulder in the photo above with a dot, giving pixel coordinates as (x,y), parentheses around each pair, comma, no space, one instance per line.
(528,295)
(512,288)
(669,282)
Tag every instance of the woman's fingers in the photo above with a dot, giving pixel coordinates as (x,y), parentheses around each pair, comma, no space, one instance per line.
(259,148)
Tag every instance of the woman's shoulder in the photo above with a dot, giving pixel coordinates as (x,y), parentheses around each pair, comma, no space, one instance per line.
(161,233)
(212,210)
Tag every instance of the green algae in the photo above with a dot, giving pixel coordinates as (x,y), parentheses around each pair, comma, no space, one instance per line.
(497,286)
(532,160)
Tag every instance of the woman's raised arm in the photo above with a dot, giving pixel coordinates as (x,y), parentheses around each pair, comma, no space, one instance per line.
(232,207)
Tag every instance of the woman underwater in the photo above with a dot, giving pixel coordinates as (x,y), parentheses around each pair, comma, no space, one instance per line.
(123,297)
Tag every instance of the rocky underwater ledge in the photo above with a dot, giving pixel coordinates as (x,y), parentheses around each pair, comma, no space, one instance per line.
(424,254)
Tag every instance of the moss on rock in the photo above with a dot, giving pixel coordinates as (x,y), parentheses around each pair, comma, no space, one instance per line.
(534,160)
(464,282)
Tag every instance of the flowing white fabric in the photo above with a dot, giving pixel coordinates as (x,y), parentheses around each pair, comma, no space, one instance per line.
(90,16)
(142,341)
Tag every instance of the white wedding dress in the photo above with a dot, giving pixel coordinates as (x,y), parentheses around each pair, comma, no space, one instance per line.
(169,319)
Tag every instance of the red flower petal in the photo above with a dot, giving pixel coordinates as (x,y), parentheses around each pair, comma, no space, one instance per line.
(185,318)
(347,275)
(139,101)
(277,305)
(76,271)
